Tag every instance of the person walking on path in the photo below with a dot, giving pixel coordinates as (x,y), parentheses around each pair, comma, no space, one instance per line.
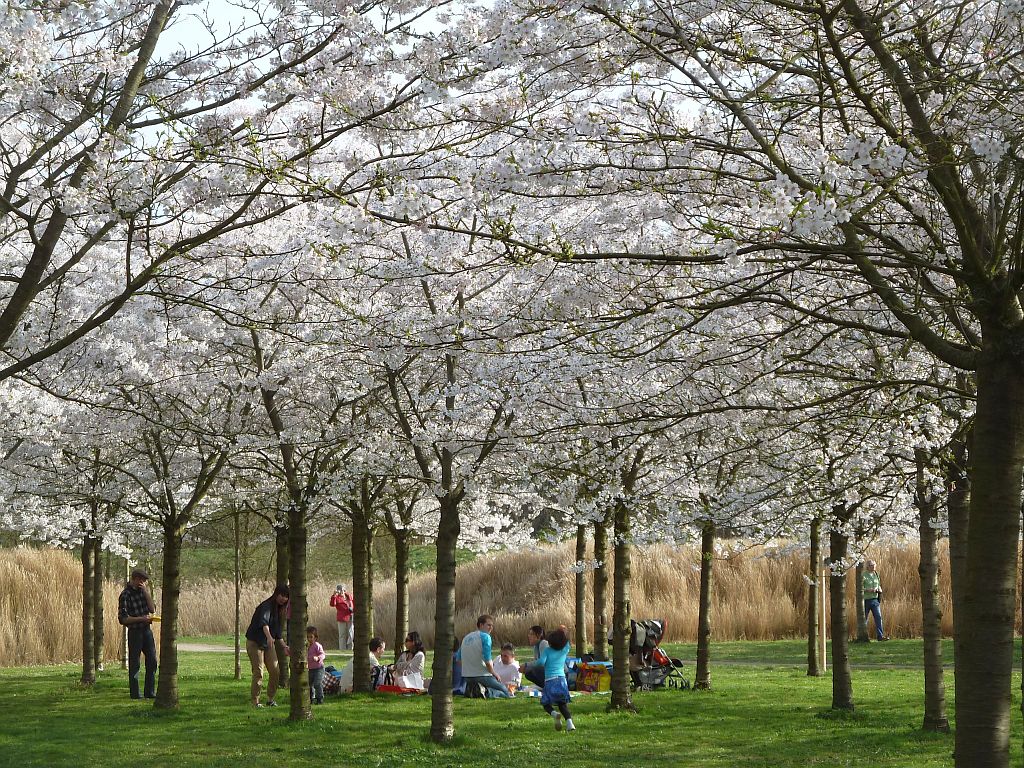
(873,598)
(135,611)
(263,631)
(344,606)
(476,660)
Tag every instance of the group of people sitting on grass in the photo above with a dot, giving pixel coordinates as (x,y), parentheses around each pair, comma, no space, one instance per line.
(474,672)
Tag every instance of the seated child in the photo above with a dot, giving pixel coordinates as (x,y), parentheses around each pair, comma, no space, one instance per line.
(506,668)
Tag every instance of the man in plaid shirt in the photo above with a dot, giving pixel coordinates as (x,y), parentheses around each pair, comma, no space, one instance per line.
(135,611)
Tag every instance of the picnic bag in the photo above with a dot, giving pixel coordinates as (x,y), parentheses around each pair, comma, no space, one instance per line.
(593,677)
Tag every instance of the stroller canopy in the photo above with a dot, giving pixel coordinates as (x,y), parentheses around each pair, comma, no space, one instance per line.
(644,634)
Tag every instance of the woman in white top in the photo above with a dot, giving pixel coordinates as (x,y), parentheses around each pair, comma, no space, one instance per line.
(409,665)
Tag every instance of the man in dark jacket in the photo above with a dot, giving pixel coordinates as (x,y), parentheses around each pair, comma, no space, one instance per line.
(135,611)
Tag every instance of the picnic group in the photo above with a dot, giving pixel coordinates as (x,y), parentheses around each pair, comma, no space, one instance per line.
(476,671)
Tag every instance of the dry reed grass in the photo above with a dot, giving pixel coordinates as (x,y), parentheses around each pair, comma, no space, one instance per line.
(755,597)
(41,608)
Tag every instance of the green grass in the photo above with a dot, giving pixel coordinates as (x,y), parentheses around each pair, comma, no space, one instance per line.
(755,716)
(794,652)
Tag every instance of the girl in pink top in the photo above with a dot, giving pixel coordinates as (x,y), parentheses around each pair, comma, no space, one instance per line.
(315,655)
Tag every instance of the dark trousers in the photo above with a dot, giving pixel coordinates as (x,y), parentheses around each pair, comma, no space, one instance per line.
(535,675)
(140,641)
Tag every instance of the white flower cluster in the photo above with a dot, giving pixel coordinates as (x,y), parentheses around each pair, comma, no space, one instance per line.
(990,148)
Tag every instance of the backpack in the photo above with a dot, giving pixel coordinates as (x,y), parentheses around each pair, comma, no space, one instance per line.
(381,675)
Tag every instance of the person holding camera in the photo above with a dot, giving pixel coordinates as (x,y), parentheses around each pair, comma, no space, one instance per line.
(344,606)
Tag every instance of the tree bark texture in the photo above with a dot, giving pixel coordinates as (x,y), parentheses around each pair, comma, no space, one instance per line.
(167,679)
(958,499)
(622,607)
(238,595)
(362,589)
(600,591)
(97,600)
(580,596)
(282,567)
(931,608)
(88,612)
(842,681)
(442,724)
(813,628)
(702,676)
(401,537)
(298,684)
(984,641)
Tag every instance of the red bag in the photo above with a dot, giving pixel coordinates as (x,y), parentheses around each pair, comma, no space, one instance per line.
(397,689)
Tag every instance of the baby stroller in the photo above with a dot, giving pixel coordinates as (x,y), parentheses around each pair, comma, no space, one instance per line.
(649,666)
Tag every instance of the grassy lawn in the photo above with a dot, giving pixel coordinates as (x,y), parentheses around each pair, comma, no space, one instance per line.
(794,652)
(769,715)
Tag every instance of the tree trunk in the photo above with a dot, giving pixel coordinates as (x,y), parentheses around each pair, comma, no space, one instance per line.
(167,680)
(238,596)
(88,612)
(600,591)
(931,609)
(401,587)
(622,607)
(702,676)
(581,590)
(282,567)
(842,682)
(124,630)
(362,592)
(298,704)
(862,618)
(813,628)
(442,724)
(97,598)
(984,645)
(958,501)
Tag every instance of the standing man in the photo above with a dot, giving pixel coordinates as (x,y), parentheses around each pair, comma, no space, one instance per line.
(873,598)
(343,605)
(135,611)
(477,666)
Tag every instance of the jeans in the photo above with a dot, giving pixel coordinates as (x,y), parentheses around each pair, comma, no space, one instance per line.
(872,606)
(495,689)
(316,685)
(140,641)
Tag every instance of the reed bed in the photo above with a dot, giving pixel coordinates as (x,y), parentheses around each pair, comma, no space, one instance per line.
(41,608)
(756,595)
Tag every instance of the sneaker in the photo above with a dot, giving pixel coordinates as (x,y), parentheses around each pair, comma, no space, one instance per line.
(558,722)
(883,639)
(271,703)
(257,705)
(570,726)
